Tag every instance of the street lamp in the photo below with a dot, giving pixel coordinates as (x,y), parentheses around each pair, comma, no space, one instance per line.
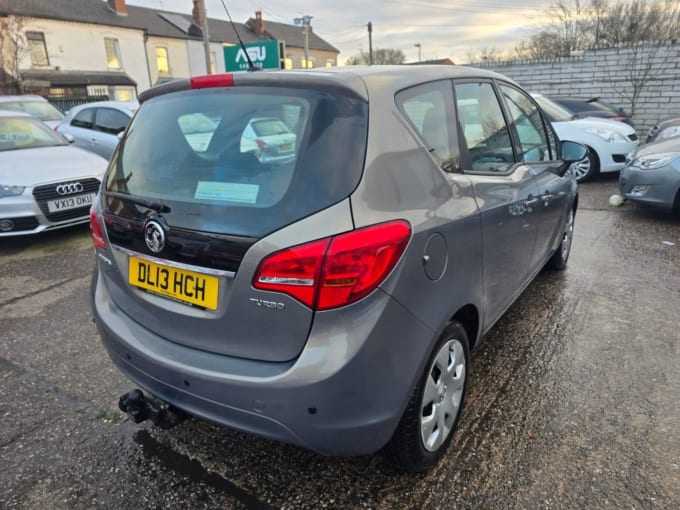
(305,22)
(417,45)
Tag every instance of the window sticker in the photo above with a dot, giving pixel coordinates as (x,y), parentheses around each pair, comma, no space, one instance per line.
(227,191)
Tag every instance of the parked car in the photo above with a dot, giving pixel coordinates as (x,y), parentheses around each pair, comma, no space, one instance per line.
(608,142)
(329,300)
(45,183)
(269,139)
(36,106)
(652,177)
(593,107)
(665,129)
(96,126)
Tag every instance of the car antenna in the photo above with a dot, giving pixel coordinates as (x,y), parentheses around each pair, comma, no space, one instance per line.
(251,66)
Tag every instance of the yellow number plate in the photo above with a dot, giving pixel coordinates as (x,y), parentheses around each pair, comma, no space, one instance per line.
(187,286)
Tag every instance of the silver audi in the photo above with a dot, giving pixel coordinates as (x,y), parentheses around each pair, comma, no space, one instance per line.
(45,183)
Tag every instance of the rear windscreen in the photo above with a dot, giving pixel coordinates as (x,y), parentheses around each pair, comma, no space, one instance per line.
(243,160)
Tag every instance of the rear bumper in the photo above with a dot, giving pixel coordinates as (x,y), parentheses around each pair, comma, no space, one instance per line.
(344,394)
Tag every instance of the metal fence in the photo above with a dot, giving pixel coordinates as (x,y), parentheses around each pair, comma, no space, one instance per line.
(64,104)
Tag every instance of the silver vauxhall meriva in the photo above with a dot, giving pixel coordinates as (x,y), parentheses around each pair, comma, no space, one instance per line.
(331,298)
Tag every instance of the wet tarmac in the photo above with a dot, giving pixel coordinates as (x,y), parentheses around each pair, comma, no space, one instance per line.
(574,396)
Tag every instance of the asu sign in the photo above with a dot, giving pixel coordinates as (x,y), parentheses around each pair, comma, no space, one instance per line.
(264,54)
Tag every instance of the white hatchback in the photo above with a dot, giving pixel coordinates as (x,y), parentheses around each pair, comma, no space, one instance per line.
(44,182)
(609,142)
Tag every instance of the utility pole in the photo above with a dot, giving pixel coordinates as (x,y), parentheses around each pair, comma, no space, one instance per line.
(370,43)
(206,36)
(306,27)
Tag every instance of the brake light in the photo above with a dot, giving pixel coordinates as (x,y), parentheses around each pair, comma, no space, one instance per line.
(98,238)
(262,145)
(212,80)
(335,271)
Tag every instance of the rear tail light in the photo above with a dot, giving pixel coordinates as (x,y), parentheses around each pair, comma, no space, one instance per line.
(262,145)
(335,271)
(98,238)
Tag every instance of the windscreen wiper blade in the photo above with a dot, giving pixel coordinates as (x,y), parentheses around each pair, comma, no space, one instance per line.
(159,207)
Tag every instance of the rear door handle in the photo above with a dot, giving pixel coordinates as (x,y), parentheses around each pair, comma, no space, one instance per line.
(546,197)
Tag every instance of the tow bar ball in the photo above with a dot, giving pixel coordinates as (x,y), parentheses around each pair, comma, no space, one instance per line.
(140,408)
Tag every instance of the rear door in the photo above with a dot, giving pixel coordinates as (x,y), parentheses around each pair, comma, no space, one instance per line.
(185,261)
(537,149)
(505,191)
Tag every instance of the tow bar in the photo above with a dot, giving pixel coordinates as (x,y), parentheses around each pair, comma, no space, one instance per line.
(140,408)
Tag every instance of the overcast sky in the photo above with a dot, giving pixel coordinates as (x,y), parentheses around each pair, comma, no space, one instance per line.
(444,28)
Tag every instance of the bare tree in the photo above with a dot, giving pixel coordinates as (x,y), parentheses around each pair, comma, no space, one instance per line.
(13,47)
(486,54)
(638,29)
(381,56)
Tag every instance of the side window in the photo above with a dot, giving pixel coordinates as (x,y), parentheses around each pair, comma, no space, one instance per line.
(111,121)
(484,128)
(429,109)
(529,125)
(84,119)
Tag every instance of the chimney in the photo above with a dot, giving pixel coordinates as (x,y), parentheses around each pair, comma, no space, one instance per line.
(259,23)
(196,13)
(119,7)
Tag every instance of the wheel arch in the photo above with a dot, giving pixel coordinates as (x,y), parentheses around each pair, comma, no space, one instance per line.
(468,316)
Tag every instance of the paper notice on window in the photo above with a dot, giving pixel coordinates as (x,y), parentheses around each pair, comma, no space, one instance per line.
(227,192)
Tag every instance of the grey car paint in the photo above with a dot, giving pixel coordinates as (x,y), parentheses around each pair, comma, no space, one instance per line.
(662,184)
(338,381)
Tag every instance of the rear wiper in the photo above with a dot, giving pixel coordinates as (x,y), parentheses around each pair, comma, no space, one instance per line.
(149,204)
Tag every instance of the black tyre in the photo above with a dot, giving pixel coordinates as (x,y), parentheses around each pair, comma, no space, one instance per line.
(431,416)
(587,168)
(561,256)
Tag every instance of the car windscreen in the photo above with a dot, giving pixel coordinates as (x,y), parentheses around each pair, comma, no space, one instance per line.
(40,109)
(26,133)
(194,151)
(553,111)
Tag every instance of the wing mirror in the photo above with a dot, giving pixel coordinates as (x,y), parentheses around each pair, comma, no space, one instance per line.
(571,152)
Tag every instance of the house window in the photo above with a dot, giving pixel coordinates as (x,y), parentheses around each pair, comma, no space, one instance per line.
(330,62)
(162,62)
(212,62)
(288,63)
(113,60)
(307,64)
(122,93)
(37,48)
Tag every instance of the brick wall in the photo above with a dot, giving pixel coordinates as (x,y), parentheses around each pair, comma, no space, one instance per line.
(607,73)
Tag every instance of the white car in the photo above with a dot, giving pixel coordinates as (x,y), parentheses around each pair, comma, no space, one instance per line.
(44,182)
(609,142)
(270,139)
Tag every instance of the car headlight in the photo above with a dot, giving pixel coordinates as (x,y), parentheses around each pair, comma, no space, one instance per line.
(7,190)
(669,132)
(606,134)
(655,161)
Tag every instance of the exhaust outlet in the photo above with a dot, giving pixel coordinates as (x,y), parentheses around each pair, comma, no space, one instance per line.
(141,408)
